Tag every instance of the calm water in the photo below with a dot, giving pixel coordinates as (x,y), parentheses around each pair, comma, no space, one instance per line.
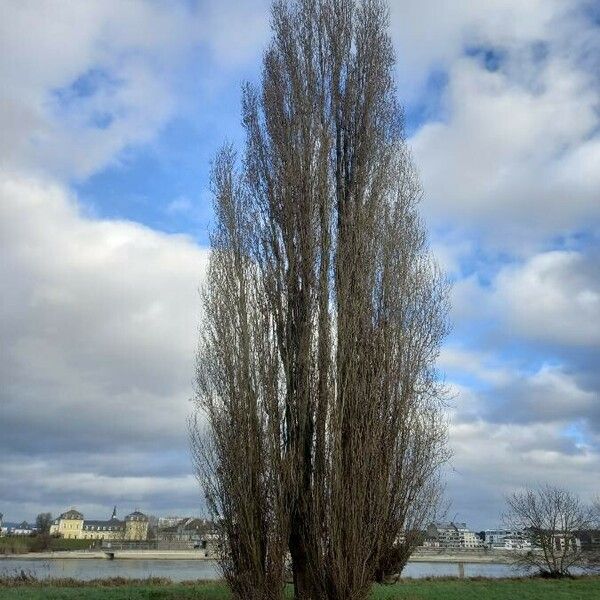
(181,570)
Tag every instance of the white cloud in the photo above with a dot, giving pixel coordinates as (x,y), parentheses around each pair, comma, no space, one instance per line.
(550,395)
(86,80)
(554,296)
(236,31)
(480,364)
(514,150)
(99,325)
(551,297)
(492,460)
(180,205)
(514,159)
(424,43)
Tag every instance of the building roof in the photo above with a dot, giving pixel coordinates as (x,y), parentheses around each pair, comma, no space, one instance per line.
(72,514)
(190,524)
(112,520)
(111,524)
(136,515)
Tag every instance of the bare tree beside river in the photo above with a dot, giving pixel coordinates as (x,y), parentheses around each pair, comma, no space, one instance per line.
(323,316)
(554,520)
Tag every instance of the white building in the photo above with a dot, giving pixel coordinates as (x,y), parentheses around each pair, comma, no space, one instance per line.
(451,535)
(505,539)
(23,529)
(495,537)
(164,522)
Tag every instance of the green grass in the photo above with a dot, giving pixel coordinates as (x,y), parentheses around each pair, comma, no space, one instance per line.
(14,545)
(581,588)
(23,544)
(64,544)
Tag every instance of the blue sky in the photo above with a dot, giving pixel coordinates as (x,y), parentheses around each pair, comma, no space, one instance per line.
(110,113)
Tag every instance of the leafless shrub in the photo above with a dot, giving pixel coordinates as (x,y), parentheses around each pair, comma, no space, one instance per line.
(552,518)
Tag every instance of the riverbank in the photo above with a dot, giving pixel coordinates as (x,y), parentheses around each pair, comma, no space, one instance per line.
(498,558)
(114,554)
(580,588)
(186,570)
(22,544)
(473,558)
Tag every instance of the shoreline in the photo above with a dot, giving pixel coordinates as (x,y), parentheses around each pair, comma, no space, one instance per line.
(195,555)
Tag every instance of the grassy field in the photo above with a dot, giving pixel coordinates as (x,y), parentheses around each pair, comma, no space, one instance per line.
(582,588)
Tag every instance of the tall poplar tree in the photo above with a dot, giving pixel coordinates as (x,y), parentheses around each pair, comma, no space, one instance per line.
(320,428)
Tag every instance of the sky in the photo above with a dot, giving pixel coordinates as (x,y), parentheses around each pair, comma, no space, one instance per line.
(110,112)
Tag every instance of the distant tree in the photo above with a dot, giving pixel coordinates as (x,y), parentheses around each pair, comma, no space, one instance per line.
(43,522)
(553,518)
(594,554)
(596,509)
(152,527)
(42,536)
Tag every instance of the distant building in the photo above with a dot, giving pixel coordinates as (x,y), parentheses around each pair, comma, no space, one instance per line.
(23,528)
(495,537)
(189,532)
(570,539)
(72,525)
(505,539)
(589,540)
(189,529)
(169,521)
(451,536)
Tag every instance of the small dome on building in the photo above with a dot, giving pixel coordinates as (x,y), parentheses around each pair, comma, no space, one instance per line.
(136,516)
(72,514)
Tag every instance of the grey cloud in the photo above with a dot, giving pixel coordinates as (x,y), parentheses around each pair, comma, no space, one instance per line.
(492,460)
(51,485)
(501,393)
(87,81)
(516,150)
(554,296)
(548,396)
(99,330)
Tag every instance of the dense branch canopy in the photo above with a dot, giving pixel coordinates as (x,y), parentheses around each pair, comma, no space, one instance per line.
(324,312)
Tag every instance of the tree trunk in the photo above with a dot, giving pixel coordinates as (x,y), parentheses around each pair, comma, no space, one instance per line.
(299,555)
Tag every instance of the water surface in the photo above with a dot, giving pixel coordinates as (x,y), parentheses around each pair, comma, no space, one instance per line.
(182,570)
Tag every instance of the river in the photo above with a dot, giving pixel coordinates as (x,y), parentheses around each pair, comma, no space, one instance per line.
(182,570)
